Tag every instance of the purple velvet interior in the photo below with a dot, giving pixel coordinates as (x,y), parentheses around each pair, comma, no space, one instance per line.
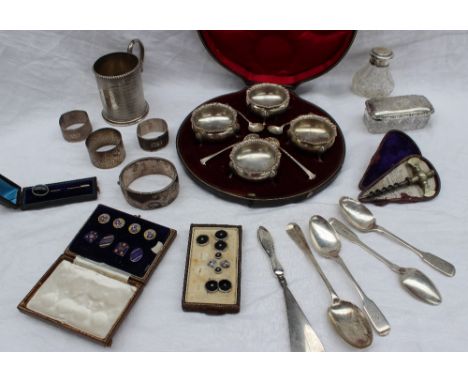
(395,146)
(106,255)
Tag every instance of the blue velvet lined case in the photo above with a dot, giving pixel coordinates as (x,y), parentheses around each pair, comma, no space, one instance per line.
(71,191)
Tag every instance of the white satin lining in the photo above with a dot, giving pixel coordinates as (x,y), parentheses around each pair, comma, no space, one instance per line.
(82,298)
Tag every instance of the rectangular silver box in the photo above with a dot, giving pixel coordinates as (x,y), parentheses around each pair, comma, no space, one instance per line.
(408,112)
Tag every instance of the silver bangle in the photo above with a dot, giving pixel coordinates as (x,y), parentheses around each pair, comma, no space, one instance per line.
(149,166)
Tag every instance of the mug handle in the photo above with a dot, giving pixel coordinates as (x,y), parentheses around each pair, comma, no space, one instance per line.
(142,50)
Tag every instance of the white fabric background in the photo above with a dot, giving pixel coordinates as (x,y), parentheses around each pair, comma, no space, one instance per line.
(43,74)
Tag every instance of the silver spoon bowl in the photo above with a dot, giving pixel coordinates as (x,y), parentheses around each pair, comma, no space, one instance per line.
(360,217)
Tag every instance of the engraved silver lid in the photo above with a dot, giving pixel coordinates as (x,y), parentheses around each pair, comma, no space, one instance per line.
(398,107)
(381,56)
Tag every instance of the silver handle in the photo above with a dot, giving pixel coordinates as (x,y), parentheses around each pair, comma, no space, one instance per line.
(434,261)
(141,57)
(376,317)
(209,157)
(342,230)
(296,234)
(266,240)
(310,174)
(345,232)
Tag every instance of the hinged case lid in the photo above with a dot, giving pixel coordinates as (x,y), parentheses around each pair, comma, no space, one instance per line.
(281,57)
(10,192)
(385,108)
(51,194)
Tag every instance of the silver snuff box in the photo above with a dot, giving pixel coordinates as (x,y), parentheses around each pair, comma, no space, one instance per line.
(408,112)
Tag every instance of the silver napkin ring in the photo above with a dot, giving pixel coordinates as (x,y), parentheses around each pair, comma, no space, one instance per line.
(105,137)
(75,117)
(149,166)
(153,125)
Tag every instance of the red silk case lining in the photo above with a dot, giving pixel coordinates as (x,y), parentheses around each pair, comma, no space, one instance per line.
(281,57)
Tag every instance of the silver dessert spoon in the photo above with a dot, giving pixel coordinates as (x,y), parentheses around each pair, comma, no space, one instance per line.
(348,320)
(327,244)
(413,280)
(360,217)
(301,335)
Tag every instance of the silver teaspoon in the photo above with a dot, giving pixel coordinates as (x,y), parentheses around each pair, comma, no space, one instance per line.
(360,217)
(347,319)
(277,130)
(253,127)
(328,245)
(309,173)
(301,335)
(413,280)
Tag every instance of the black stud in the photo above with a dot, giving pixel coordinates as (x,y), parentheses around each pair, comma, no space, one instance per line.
(202,239)
(220,245)
(225,285)
(221,234)
(211,286)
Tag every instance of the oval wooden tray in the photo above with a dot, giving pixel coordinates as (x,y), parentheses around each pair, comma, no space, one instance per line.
(289,185)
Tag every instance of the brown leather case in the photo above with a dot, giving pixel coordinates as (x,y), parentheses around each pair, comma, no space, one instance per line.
(138,282)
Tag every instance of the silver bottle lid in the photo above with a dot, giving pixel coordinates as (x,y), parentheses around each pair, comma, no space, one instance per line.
(380,56)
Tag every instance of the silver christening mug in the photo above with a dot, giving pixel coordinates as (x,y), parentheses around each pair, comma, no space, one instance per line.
(118,77)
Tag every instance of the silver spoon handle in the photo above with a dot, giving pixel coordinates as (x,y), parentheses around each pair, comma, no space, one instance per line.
(434,261)
(243,116)
(209,157)
(376,317)
(296,234)
(342,230)
(309,173)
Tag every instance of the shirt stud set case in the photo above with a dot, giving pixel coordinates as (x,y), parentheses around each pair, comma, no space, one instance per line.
(212,269)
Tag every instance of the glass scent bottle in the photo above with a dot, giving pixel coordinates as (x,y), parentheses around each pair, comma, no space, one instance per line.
(375,79)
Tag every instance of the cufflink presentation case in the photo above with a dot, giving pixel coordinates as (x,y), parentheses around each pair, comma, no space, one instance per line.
(47,195)
(90,288)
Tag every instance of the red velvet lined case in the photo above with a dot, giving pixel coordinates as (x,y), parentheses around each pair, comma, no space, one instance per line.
(283,57)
